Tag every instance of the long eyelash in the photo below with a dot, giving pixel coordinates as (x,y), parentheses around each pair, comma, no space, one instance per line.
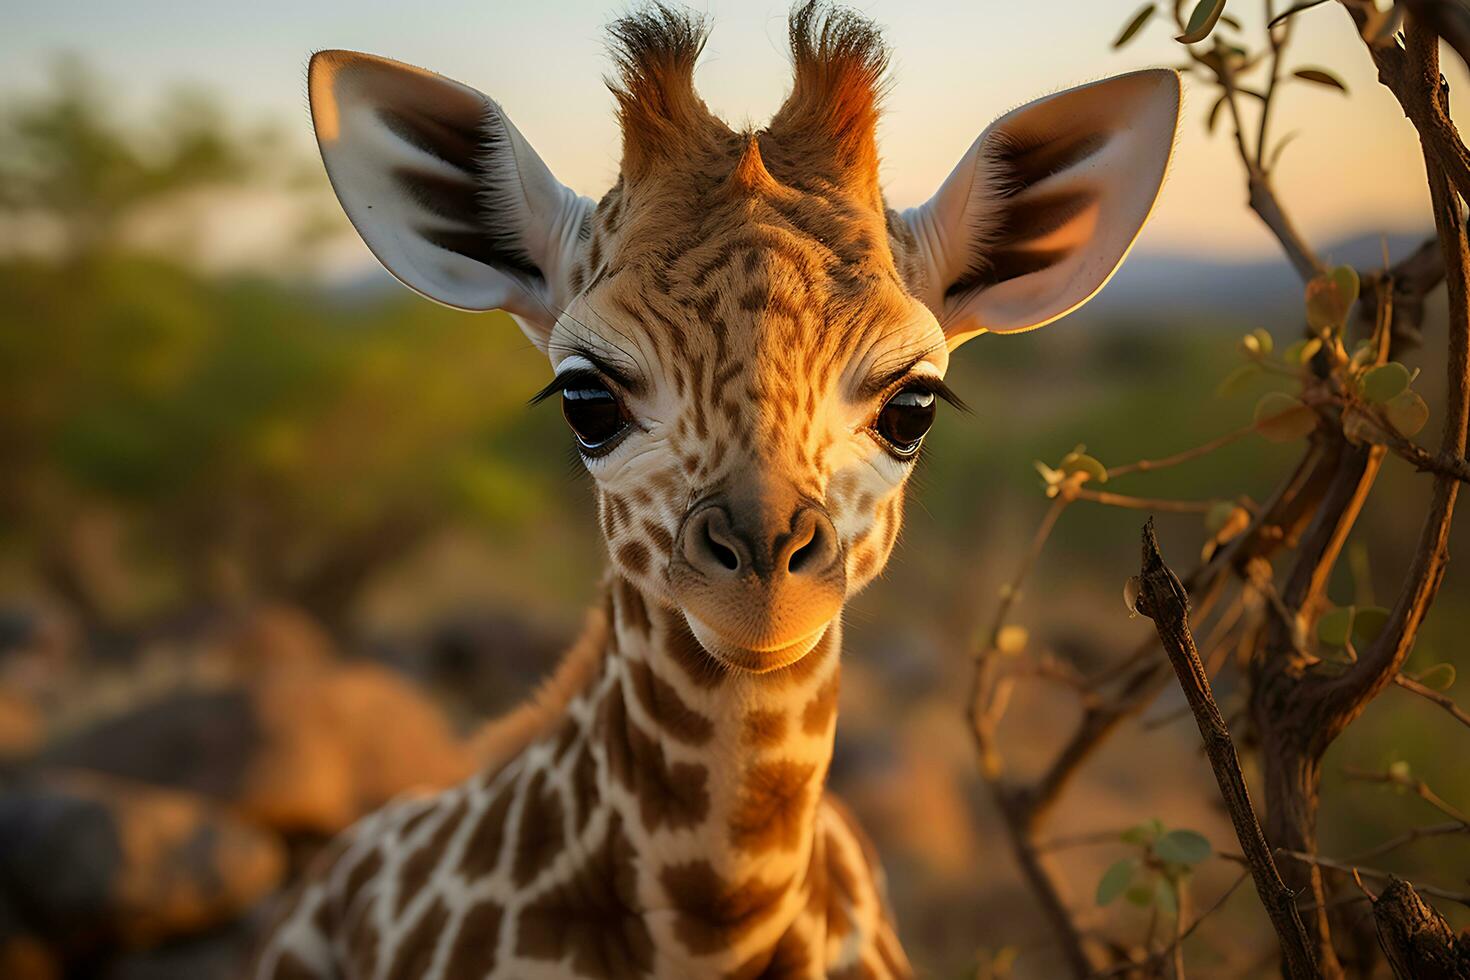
(936,387)
(564,381)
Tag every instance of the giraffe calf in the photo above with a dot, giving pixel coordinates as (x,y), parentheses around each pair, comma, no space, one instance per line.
(748,346)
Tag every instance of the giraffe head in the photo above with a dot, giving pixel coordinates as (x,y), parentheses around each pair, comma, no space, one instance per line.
(747,343)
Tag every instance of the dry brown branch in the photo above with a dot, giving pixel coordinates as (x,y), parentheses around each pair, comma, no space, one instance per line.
(1142,503)
(1262,197)
(1437,697)
(1348,868)
(1162,598)
(1408,837)
(1342,699)
(1454,467)
(1416,786)
(1416,939)
(1149,465)
(1409,75)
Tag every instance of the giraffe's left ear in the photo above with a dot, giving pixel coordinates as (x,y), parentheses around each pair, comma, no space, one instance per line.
(444,189)
(1045,205)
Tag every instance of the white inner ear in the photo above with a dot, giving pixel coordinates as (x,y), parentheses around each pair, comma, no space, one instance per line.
(1045,205)
(443,188)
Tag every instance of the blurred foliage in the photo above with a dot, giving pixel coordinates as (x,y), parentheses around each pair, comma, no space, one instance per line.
(68,157)
(243,435)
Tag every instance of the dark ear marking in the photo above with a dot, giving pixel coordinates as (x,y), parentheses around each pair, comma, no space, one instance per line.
(1029,159)
(451,140)
(480,199)
(1026,212)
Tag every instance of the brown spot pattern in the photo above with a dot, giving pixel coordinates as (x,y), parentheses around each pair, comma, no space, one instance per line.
(765,727)
(474,953)
(419,865)
(673,795)
(593,918)
(289,967)
(664,706)
(541,833)
(482,848)
(416,950)
(712,914)
(685,651)
(772,811)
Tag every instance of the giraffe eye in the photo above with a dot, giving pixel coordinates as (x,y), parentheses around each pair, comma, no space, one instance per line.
(904,419)
(596,416)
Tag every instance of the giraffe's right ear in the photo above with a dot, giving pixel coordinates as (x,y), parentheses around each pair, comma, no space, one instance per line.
(1045,205)
(444,190)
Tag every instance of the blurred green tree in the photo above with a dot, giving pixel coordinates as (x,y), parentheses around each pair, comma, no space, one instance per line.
(170,437)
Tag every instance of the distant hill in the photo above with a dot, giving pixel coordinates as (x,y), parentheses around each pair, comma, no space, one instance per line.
(1163,285)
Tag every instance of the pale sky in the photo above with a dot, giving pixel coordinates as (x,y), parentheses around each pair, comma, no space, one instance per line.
(957,65)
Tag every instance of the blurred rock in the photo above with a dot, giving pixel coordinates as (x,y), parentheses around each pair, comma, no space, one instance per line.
(215,955)
(89,860)
(487,663)
(305,746)
(25,957)
(21,726)
(275,636)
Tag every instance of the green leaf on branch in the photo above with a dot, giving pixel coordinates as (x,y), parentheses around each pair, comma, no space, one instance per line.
(1144,833)
(1407,411)
(1368,622)
(1217,516)
(1115,880)
(1275,155)
(1079,462)
(1292,12)
(1440,677)
(1281,418)
(1320,76)
(1330,297)
(1302,351)
(1385,382)
(1164,896)
(1134,25)
(1258,341)
(1202,21)
(1236,380)
(1141,895)
(1214,115)
(1336,626)
(1183,847)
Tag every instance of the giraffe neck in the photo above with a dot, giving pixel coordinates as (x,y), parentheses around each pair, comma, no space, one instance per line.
(715,776)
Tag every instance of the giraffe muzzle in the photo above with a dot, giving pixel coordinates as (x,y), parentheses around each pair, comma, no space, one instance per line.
(759,584)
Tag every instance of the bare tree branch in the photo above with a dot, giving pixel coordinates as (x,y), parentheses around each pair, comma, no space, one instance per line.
(1342,698)
(1162,598)
(1429,694)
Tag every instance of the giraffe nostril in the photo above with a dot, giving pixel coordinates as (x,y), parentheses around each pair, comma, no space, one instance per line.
(725,556)
(803,556)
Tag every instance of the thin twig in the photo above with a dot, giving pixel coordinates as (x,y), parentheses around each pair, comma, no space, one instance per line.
(1430,694)
(1162,598)
(1455,467)
(1408,837)
(1418,786)
(1142,503)
(1149,465)
(1348,868)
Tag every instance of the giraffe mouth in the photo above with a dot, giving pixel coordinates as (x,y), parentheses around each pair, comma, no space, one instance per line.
(755,660)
